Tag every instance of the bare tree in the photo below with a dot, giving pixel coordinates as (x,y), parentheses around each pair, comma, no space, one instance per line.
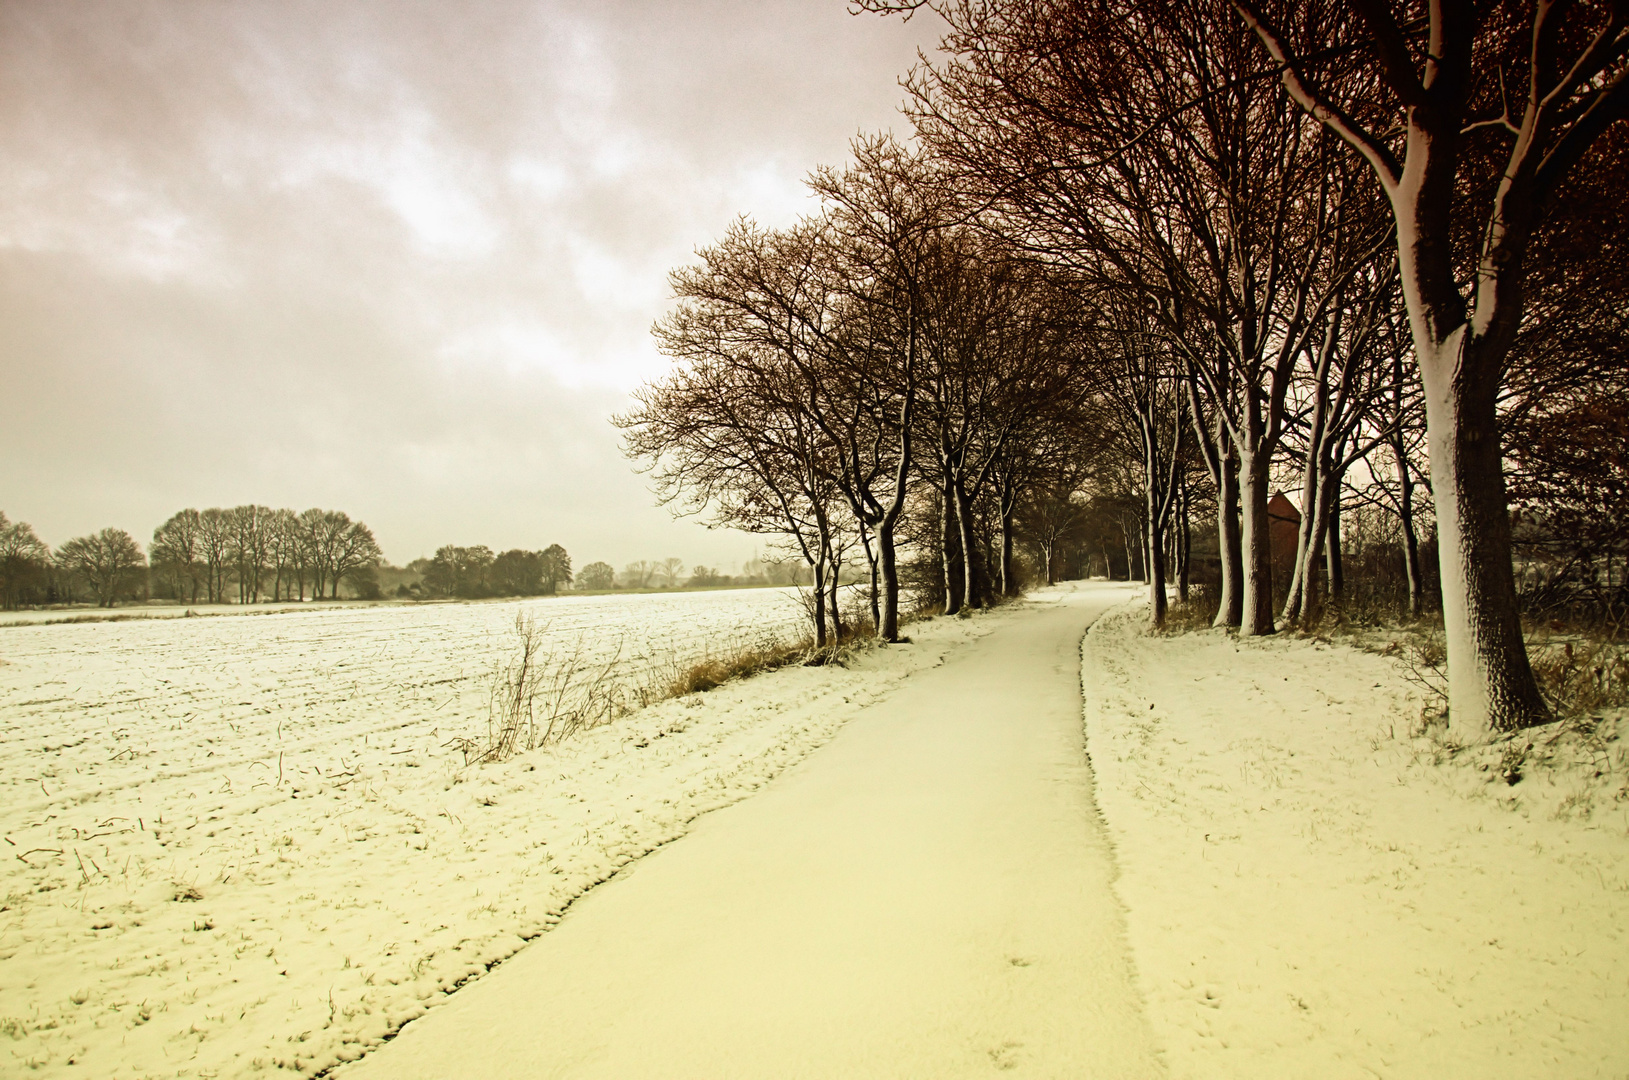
(597,576)
(556,565)
(214,547)
(248,547)
(1124,143)
(353,550)
(176,552)
(110,563)
(1447,102)
(283,549)
(23,561)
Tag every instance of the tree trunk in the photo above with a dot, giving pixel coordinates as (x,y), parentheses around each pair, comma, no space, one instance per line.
(949,542)
(1333,554)
(1009,580)
(1155,548)
(1258,552)
(1297,608)
(1230,542)
(1490,681)
(887,560)
(836,608)
(1184,544)
(1411,541)
(1154,555)
(1009,577)
(820,602)
(964,517)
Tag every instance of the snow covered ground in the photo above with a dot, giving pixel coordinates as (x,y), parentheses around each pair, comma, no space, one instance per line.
(929,895)
(239,842)
(1314,890)
(242,845)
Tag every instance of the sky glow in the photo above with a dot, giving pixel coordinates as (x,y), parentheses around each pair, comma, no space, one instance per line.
(397,258)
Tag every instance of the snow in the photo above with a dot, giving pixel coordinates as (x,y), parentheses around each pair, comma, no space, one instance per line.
(926,896)
(241,841)
(1314,890)
(1300,882)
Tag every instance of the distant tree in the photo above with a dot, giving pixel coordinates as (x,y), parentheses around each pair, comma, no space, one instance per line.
(596,575)
(637,575)
(703,576)
(249,547)
(24,562)
(175,554)
(460,571)
(517,573)
(669,571)
(364,582)
(110,563)
(556,568)
(354,552)
(214,544)
(283,547)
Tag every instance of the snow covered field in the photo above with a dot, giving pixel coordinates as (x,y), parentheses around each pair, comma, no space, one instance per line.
(1315,890)
(241,843)
(242,846)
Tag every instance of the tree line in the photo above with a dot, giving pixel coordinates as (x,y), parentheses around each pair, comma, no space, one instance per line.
(1141,269)
(250,553)
(475,572)
(244,554)
(670,573)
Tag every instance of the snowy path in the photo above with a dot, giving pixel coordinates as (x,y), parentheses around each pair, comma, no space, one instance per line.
(929,895)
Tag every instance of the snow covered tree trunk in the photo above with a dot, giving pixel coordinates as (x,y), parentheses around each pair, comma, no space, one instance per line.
(1154,555)
(1154,518)
(1257,615)
(836,610)
(964,519)
(1411,541)
(1334,555)
(1184,545)
(1229,542)
(1009,580)
(949,532)
(820,602)
(888,564)
(1306,565)
(1490,682)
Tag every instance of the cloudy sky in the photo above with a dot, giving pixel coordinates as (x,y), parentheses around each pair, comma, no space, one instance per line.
(398,258)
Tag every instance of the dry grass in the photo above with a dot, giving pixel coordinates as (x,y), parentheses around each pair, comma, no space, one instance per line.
(743,661)
(1197,613)
(543,694)
(1580,675)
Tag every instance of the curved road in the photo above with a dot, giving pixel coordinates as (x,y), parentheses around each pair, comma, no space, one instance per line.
(928,895)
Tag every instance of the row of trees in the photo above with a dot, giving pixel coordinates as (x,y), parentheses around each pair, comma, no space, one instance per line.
(104,567)
(669,573)
(252,552)
(1143,265)
(472,572)
(243,554)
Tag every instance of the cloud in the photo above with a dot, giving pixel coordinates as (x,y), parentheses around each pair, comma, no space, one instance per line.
(395,257)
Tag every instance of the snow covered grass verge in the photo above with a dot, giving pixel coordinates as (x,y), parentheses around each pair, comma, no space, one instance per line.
(186,899)
(1317,884)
